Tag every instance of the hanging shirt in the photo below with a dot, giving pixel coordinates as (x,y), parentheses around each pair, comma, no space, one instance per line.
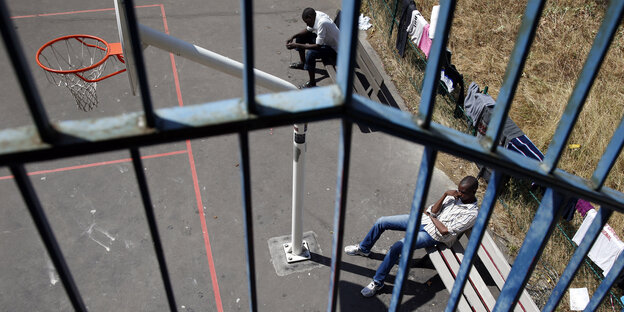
(607,246)
(455,215)
(326,31)
(416,27)
(475,102)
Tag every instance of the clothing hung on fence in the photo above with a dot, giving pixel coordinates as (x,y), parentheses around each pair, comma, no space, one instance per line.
(524,146)
(416,26)
(475,102)
(583,206)
(425,41)
(607,246)
(434,20)
(408,6)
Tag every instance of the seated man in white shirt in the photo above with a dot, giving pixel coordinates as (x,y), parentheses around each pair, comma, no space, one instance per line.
(455,212)
(320,39)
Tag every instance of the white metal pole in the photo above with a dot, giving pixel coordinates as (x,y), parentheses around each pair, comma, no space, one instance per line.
(211,59)
(299,149)
(224,64)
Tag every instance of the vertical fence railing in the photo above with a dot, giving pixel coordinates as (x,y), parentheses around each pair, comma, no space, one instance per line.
(137,52)
(153,225)
(24,76)
(435,137)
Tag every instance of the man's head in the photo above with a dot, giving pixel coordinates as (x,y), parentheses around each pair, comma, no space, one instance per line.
(467,188)
(309,16)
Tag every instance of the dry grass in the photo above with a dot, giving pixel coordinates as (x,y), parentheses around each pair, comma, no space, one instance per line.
(482,37)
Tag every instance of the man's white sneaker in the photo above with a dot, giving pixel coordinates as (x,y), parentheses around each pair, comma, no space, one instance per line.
(354,250)
(371,289)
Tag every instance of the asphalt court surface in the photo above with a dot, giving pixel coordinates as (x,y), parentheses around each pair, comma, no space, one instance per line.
(94,205)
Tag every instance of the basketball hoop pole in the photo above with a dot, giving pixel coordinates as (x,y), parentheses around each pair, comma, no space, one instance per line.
(297,249)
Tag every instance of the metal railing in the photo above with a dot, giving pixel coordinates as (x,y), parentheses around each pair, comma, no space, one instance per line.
(44,142)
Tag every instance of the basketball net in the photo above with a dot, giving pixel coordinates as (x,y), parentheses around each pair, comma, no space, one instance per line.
(79,62)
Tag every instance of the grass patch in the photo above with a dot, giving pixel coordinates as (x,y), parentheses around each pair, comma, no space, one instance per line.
(481,39)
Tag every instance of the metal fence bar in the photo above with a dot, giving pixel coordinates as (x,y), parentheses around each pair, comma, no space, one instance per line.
(47,236)
(434,64)
(340,208)
(423,183)
(606,284)
(153,225)
(396,8)
(542,226)
(25,78)
(347,44)
(137,52)
(599,49)
(487,207)
(245,170)
(609,157)
(401,124)
(248,54)
(577,258)
(518,57)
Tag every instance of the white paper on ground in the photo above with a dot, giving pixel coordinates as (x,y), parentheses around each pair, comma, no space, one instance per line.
(579,298)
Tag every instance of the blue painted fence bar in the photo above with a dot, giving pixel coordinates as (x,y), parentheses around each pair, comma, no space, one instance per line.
(245,170)
(248,55)
(45,141)
(423,183)
(47,236)
(340,208)
(346,48)
(603,289)
(609,157)
(577,259)
(609,27)
(520,52)
(137,52)
(24,76)
(543,223)
(487,207)
(434,64)
(153,226)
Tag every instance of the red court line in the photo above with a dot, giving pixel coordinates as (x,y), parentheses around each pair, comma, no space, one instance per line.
(198,199)
(103,163)
(81,11)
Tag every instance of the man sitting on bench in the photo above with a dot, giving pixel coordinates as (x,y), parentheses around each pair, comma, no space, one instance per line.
(320,38)
(455,212)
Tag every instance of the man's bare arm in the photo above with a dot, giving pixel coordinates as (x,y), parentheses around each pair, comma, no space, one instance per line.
(435,209)
(299,34)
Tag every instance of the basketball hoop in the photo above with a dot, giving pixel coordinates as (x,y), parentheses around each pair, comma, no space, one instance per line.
(79,62)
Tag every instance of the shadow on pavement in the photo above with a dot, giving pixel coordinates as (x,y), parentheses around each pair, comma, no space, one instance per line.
(416,294)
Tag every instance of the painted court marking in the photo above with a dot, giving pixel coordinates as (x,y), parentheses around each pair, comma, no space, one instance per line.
(189,150)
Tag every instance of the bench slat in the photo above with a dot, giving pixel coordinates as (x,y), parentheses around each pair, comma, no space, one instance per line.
(470,293)
(476,279)
(446,276)
(499,269)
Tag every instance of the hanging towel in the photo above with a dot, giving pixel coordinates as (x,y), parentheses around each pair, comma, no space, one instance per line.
(425,41)
(607,246)
(448,82)
(434,20)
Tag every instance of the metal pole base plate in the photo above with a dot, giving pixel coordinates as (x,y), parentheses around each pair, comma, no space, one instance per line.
(291,257)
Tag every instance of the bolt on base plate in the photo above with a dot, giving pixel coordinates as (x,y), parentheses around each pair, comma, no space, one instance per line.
(290,257)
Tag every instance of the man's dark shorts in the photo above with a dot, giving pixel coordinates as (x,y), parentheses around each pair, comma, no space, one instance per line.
(324,52)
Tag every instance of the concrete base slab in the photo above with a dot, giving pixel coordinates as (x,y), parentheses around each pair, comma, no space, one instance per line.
(278,256)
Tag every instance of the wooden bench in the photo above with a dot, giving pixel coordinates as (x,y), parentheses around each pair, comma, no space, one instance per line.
(368,81)
(477,295)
